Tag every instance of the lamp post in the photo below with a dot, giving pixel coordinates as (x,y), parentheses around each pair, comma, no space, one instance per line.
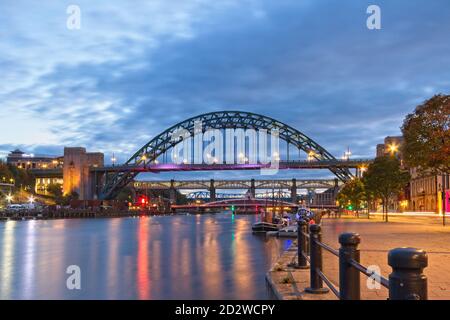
(113,159)
(441,188)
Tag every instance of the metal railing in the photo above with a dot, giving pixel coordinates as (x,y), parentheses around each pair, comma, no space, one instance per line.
(406,282)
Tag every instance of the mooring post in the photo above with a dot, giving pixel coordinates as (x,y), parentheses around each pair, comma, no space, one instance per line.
(349,278)
(407,280)
(316,285)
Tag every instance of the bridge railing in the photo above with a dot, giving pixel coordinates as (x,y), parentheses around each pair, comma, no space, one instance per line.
(406,282)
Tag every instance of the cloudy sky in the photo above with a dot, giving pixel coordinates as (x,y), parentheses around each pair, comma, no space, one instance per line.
(135,68)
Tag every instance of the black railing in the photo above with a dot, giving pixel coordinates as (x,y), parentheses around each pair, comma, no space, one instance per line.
(406,282)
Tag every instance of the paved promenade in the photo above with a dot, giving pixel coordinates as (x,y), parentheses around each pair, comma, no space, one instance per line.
(377,238)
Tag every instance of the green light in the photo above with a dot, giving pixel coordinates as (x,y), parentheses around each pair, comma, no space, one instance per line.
(350,207)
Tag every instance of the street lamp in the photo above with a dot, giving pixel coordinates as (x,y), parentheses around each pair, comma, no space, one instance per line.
(144,159)
(31,199)
(347,154)
(113,159)
(9,198)
(393,148)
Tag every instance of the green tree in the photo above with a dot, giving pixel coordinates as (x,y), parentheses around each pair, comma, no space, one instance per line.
(55,190)
(352,193)
(126,194)
(5,173)
(427,136)
(385,178)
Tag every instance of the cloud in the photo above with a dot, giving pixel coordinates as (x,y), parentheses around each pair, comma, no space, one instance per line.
(135,69)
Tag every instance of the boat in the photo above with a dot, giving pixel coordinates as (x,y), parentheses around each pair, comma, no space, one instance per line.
(265,226)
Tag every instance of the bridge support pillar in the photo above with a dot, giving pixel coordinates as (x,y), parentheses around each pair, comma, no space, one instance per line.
(212,191)
(294,191)
(252,188)
(172,192)
(77,176)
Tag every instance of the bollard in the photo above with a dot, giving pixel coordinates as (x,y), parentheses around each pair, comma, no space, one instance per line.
(316,283)
(349,279)
(407,281)
(301,244)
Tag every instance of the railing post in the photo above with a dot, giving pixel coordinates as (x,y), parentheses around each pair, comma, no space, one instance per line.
(301,244)
(407,281)
(316,285)
(349,278)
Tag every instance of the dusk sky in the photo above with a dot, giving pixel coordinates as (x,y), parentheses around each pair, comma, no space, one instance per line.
(137,67)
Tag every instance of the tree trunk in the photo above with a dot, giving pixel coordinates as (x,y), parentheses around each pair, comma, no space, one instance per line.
(387,209)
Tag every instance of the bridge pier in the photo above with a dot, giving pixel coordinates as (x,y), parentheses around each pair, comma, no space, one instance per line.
(212,191)
(294,191)
(172,192)
(252,188)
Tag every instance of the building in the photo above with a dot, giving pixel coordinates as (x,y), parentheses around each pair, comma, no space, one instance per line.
(427,192)
(424,192)
(25,161)
(72,171)
(22,160)
(391,145)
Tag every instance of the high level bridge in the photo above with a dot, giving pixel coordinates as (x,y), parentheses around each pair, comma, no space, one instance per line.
(251,185)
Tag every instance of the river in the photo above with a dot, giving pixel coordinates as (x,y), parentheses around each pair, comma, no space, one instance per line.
(160,257)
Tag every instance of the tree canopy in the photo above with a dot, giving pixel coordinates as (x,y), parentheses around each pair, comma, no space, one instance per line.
(352,193)
(427,136)
(385,178)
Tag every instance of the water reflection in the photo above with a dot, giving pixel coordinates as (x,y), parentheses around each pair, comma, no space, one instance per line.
(179,257)
(143,280)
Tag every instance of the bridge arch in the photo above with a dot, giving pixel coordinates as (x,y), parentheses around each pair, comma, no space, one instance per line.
(218,120)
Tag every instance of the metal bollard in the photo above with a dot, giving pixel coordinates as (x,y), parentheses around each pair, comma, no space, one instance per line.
(407,281)
(316,285)
(301,244)
(349,278)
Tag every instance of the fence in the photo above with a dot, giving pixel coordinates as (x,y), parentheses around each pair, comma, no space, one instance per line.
(406,282)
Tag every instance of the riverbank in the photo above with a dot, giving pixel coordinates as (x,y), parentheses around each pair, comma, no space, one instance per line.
(377,238)
(69,214)
(288,283)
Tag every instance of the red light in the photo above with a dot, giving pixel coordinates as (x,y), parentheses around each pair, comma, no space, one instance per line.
(143,200)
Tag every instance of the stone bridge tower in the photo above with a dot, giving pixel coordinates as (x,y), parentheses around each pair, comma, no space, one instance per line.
(77,176)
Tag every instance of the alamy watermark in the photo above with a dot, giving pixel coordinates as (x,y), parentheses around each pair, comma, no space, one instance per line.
(374,20)
(73,21)
(73,282)
(374,281)
(228,146)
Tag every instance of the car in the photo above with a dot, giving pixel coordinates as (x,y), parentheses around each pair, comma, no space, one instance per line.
(15,207)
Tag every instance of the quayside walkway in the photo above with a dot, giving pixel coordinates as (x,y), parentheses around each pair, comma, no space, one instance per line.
(377,238)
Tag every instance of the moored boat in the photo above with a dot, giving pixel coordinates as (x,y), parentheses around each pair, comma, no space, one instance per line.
(265,226)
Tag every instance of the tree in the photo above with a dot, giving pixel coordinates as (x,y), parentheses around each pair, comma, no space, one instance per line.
(352,193)
(55,190)
(385,178)
(427,136)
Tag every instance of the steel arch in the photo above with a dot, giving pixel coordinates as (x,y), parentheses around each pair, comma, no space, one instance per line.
(218,120)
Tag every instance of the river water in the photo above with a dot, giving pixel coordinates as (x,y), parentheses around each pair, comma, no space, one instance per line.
(165,257)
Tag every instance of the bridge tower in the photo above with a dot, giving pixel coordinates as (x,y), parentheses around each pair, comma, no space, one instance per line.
(294,191)
(77,176)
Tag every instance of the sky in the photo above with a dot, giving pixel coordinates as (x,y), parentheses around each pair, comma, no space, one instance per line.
(134,68)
